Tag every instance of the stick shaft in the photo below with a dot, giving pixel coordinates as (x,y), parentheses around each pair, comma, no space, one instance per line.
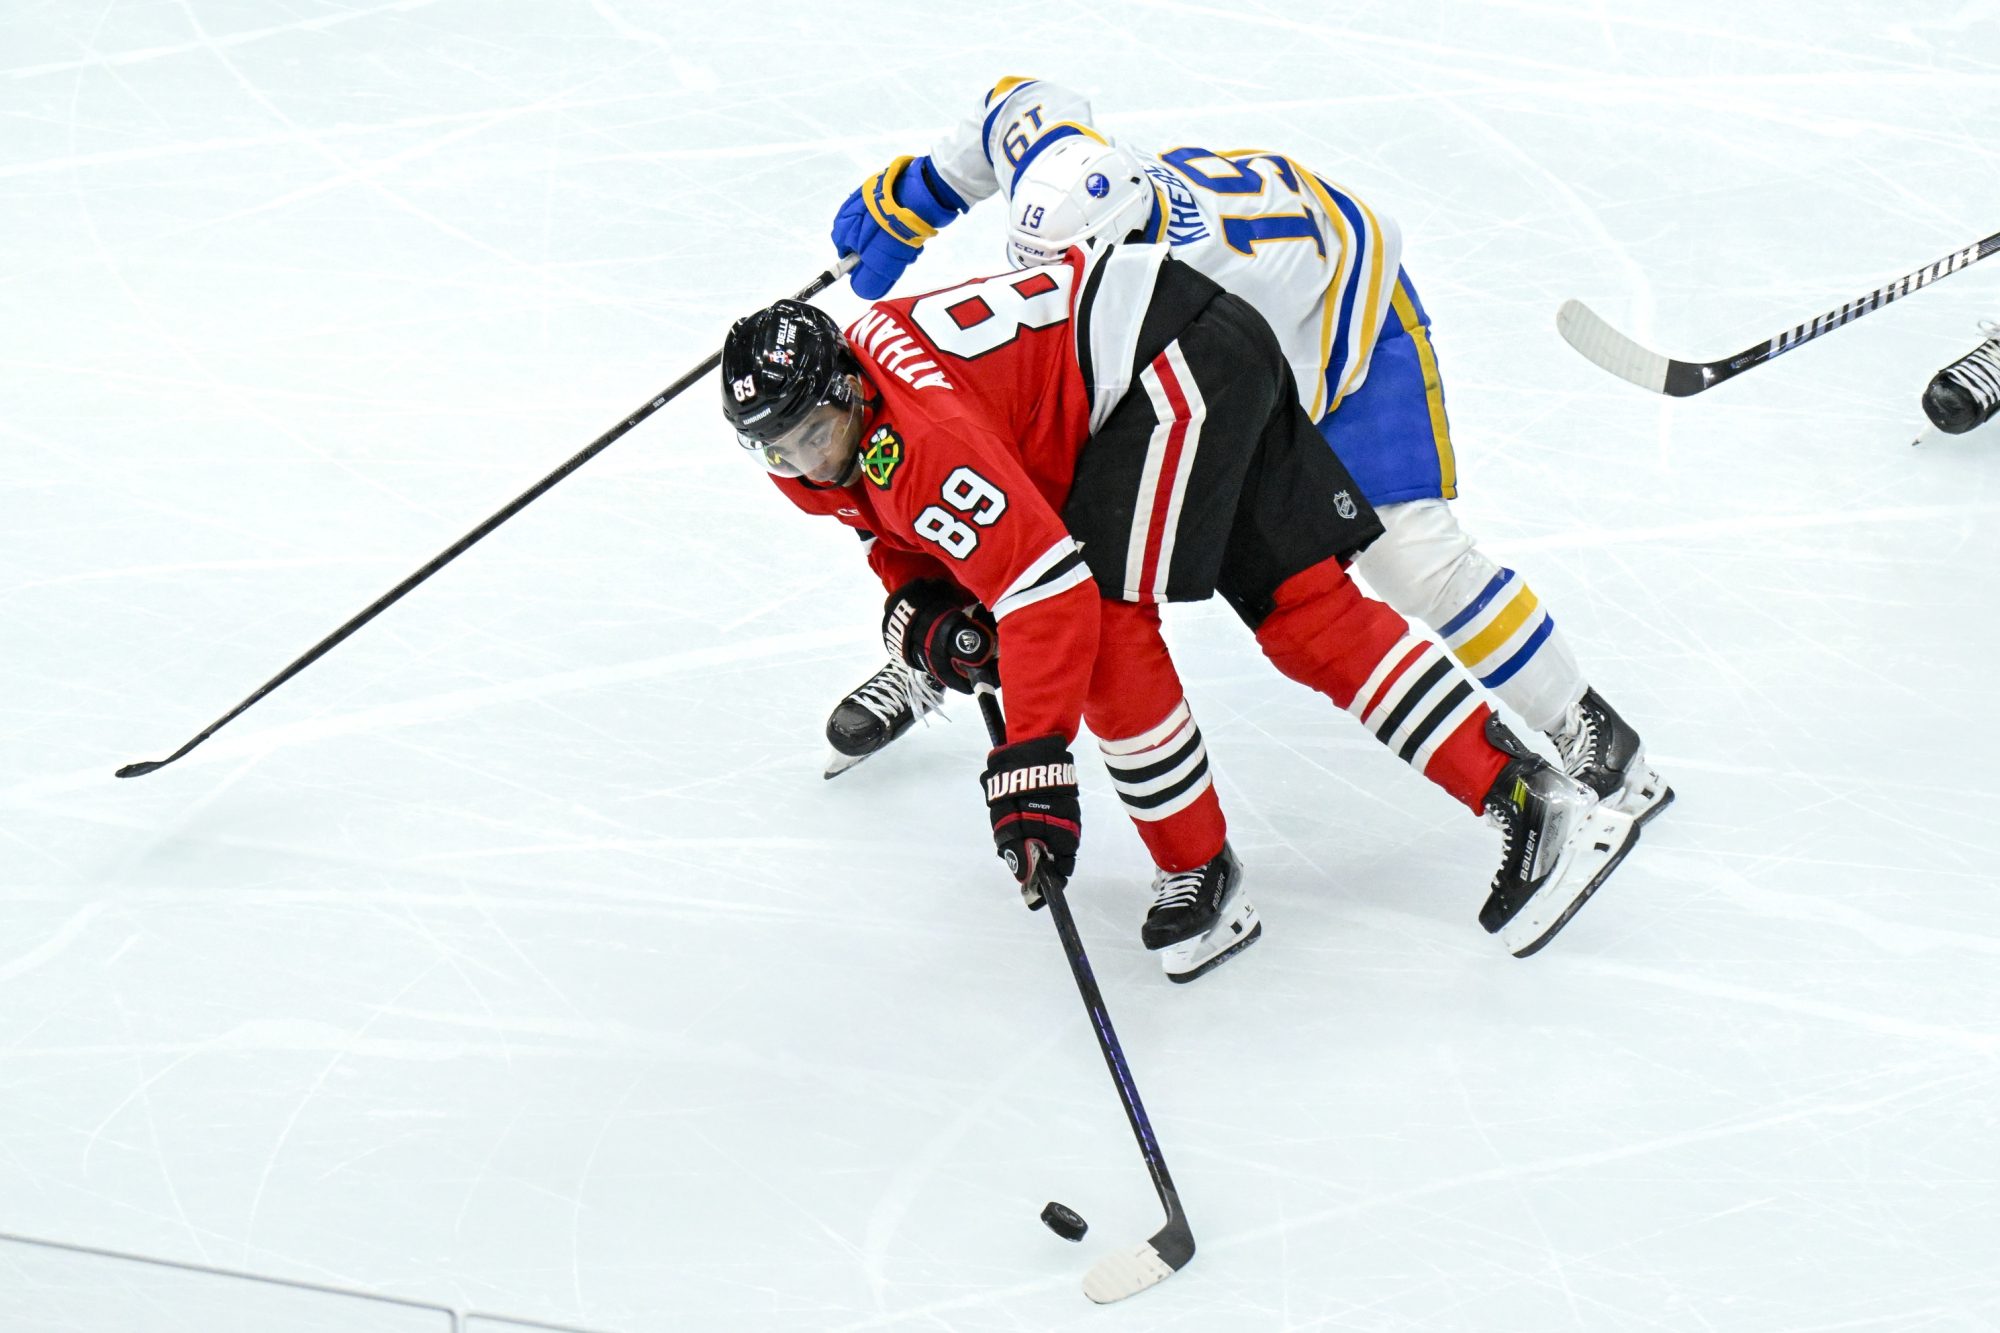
(465,543)
(1840,316)
(1052,890)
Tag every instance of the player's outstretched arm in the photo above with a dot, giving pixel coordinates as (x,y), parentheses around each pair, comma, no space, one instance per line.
(886,221)
(984,152)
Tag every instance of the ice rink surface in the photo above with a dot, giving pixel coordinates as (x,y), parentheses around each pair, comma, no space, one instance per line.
(517,958)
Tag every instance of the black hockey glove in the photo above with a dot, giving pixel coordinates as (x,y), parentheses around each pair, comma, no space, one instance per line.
(1031,797)
(929,624)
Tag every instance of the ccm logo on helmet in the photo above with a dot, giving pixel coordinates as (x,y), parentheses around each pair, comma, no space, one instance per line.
(1030,778)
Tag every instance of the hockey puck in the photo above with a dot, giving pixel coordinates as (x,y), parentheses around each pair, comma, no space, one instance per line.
(1065,1221)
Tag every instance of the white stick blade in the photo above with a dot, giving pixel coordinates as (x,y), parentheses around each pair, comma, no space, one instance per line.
(1599,342)
(1125,1273)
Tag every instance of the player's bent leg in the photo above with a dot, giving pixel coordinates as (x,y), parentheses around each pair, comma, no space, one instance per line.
(1158,762)
(1394,435)
(1429,568)
(1560,842)
(1325,634)
(1150,741)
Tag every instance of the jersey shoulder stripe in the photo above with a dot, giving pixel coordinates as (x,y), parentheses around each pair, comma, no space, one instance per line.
(1005,86)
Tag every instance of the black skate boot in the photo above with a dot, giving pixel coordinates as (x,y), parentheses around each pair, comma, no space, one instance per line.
(876,712)
(1600,750)
(1559,843)
(1966,393)
(1200,917)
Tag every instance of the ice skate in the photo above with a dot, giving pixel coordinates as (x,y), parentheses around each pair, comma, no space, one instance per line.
(1966,393)
(1600,750)
(1200,918)
(876,712)
(1559,844)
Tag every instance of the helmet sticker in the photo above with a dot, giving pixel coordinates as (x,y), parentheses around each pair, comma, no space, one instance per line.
(1097,184)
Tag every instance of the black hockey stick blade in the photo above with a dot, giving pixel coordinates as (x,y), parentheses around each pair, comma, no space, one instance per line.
(465,543)
(1586,331)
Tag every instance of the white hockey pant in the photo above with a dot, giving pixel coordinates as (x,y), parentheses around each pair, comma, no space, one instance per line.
(1427,567)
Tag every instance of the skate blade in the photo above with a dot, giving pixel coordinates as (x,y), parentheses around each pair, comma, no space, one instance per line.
(1645,797)
(1190,959)
(1647,813)
(838,763)
(1611,834)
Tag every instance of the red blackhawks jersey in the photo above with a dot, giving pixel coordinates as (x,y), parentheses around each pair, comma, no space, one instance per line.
(985,394)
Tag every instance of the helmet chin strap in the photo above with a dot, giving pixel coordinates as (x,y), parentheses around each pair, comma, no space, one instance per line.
(867,400)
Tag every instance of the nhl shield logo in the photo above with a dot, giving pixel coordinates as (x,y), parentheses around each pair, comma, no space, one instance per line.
(1343,504)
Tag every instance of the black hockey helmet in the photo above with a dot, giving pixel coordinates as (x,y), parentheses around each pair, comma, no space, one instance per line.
(778,365)
(791,389)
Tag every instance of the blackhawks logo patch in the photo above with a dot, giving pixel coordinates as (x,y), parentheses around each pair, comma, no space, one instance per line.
(882,455)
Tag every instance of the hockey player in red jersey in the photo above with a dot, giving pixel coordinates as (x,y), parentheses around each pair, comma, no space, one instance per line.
(1055,452)
(1323,267)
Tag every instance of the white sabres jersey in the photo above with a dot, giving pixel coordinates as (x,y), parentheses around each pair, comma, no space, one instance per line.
(1317,263)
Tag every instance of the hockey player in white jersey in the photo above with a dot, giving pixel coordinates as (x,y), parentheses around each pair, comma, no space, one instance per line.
(1324,269)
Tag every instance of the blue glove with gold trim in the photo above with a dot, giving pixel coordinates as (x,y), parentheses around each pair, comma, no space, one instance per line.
(886,222)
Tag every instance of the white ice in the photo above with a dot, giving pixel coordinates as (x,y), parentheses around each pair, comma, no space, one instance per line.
(515,957)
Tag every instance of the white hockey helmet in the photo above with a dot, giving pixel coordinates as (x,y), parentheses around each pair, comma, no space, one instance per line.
(1079,190)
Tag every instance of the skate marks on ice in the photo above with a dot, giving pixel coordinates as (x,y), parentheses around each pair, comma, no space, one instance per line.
(1774,1024)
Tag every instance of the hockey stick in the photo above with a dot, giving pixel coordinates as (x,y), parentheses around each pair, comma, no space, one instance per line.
(459,547)
(1589,334)
(1126,1272)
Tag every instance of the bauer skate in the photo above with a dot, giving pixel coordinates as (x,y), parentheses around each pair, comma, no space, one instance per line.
(876,712)
(1600,750)
(1966,393)
(1559,844)
(1200,918)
